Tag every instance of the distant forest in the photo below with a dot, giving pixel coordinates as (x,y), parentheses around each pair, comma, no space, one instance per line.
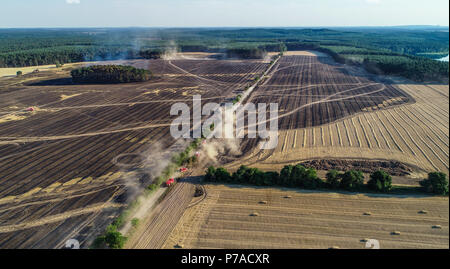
(399,51)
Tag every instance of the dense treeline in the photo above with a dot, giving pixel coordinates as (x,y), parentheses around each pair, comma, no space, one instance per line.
(298,176)
(387,50)
(70,54)
(414,68)
(109,74)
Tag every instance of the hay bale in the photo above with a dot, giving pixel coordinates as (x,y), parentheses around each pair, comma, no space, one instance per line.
(436,227)
(367,213)
(287,197)
(423,212)
(334,247)
(395,233)
(263,202)
(254,214)
(365,240)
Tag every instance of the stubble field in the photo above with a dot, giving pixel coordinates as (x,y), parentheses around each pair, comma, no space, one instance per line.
(236,217)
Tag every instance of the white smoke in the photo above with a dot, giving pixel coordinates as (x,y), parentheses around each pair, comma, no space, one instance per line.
(171,51)
(212,149)
(70,2)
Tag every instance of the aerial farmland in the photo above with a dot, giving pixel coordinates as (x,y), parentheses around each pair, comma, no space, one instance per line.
(361,142)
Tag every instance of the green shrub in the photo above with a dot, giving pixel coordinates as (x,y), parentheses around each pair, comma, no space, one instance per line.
(352,180)
(222,175)
(437,182)
(297,175)
(210,174)
(270,178)
(310,179)
(99,242)
(119,221)
(333,179)
(285,175)
(239,175)
(113,238)
(380,181)
(19,73)
(152,187)
(135,222)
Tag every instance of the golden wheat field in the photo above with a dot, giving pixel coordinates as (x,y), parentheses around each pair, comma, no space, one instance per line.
(246,217)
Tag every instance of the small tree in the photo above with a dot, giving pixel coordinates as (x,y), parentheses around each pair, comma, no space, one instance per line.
(310,179)
(210,174)
(239,175)
(113,238)
(258,177)
(135,222)
(285,175)
(297,176)
(352,180)
(333,179)
(99,242)
(437,182)
(380,181)
(222,175)
(19,73)
(152,187)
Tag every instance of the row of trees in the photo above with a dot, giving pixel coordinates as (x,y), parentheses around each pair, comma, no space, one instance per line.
(70,54)
(109,74)
(299,176)
(414,68)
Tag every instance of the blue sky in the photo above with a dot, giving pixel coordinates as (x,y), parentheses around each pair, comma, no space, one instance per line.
(213,13)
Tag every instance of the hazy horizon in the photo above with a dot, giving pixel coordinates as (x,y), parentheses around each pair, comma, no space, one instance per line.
(227,27)
(222,13)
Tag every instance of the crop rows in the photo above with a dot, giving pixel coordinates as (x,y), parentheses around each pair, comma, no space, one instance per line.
(69,144)
(407,123)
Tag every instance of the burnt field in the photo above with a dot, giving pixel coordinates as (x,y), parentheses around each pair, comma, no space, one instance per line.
(68,161)
(68,165)
(312,91)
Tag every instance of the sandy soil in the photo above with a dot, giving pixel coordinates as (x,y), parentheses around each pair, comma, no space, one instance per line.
(306,53)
